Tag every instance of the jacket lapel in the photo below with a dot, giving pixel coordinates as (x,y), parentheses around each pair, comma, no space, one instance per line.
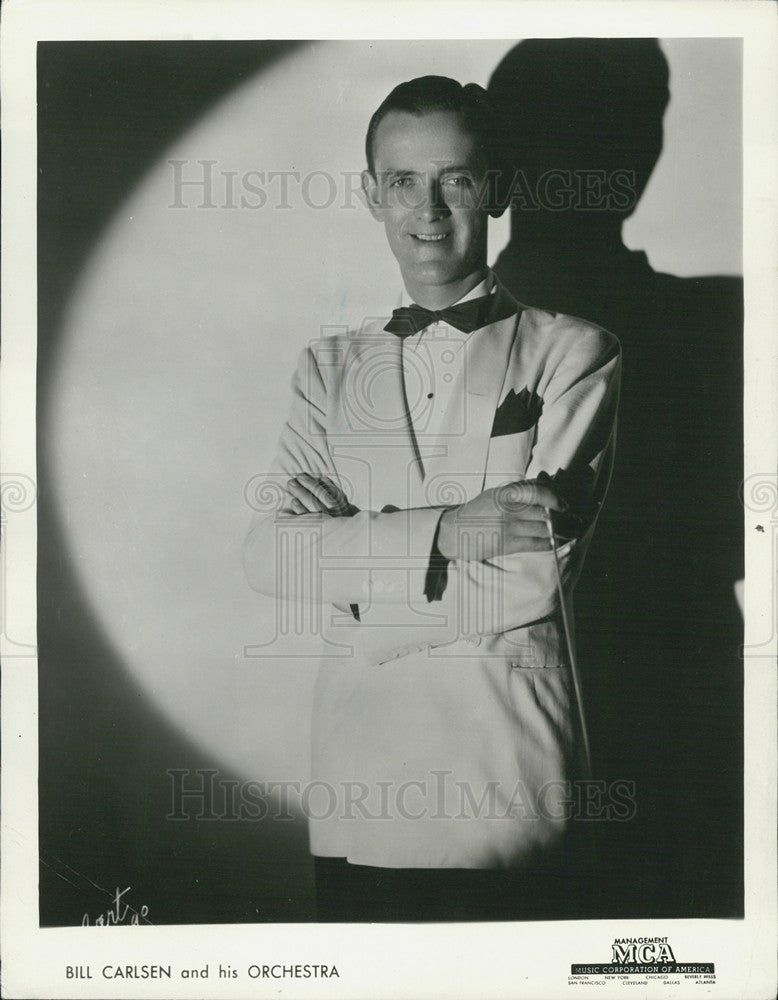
(370,435)
(371,439)
(457,471)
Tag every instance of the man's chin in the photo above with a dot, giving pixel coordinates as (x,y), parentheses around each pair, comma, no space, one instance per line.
(432,272)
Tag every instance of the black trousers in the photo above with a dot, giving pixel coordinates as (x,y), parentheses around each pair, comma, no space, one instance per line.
(357,893)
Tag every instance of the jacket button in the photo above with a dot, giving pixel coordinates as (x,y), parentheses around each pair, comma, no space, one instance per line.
(475,641)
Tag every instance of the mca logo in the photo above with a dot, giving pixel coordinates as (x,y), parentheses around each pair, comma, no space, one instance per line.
(641,951)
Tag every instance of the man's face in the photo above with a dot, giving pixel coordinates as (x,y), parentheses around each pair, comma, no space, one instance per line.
(429,175)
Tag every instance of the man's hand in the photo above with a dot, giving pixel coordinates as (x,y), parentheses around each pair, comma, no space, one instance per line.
(318,495)
(501,521)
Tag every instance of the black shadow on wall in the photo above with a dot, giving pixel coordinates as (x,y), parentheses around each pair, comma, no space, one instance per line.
(659,631)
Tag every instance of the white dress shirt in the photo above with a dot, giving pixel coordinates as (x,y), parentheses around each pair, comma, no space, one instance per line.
(435,373)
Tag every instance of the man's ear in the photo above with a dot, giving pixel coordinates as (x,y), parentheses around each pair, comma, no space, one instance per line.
(372,194)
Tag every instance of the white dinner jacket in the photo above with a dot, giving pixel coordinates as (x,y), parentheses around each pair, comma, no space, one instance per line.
(444,733)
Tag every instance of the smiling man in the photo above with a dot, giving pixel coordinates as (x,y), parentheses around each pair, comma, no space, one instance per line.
(425,459)
(425,181)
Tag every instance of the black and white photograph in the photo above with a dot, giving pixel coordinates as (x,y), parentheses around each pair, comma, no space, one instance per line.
(389,500)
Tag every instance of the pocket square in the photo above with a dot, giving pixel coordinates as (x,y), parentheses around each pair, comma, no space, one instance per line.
(517,412)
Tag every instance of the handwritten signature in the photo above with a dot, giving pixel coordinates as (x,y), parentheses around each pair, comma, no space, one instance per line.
(119,913)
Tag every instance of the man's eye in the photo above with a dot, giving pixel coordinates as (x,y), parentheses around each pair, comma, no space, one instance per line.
(458,180)
(401,182)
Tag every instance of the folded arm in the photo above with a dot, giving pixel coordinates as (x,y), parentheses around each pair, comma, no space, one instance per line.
(488,593)
(382,559)
(353,556)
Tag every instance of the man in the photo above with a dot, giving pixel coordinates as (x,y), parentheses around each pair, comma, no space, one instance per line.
(422,461)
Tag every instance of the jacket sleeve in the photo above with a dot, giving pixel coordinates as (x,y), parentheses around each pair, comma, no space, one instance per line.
(381,561)
(316,557)
(574,444)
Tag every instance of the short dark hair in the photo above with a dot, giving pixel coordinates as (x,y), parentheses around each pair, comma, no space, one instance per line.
(440,93)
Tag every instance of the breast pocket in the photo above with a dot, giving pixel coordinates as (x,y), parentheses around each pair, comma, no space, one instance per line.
(509,456)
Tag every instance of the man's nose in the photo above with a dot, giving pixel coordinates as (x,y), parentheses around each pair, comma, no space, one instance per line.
(433,205)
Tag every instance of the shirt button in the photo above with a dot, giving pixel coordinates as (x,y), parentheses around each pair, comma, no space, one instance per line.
(475,641)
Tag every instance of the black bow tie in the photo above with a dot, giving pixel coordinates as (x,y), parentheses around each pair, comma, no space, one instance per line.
(467,316)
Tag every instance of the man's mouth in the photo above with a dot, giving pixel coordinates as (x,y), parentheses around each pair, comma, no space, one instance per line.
(430,237)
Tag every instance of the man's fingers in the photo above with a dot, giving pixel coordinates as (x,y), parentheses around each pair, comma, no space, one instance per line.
(527,529)
(315,487)
(531,512)
(320,495)
(530,545)
(324,490)
(305,497)
(331,486)
(522,497)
